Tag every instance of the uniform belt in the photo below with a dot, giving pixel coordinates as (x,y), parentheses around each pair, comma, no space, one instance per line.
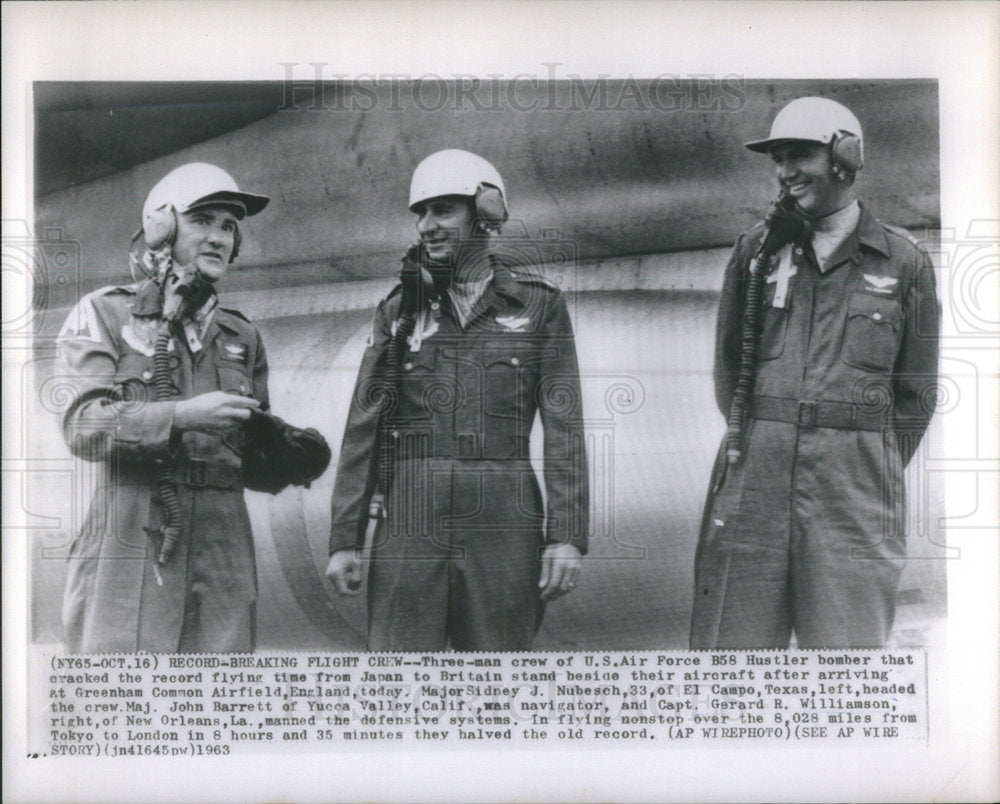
(812,413)
(409,444)
(196,473)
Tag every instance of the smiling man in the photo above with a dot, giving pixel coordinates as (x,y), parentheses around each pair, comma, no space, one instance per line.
(462,355)
(803,530)
(169,399)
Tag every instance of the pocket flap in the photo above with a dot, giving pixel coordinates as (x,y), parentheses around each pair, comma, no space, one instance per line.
(234,381)
(423,359)
(514,354)
(132,367)
(876,308)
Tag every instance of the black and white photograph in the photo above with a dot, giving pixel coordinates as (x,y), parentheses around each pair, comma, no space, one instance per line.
(416,306)
(610,411)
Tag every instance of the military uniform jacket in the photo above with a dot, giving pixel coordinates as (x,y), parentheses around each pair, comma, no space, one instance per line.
(113,601)
(464,410)
(845,387)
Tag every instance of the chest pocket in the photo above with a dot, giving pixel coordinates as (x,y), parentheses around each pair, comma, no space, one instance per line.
(774,324)
(425,385)
(418,364)
(509,375)
(871,333)
(233,380)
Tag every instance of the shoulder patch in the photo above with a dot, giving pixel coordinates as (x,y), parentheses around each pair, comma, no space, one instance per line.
(81,323)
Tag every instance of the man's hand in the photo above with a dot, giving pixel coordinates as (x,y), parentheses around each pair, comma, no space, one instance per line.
(560,569)
(344,571)
(215,413)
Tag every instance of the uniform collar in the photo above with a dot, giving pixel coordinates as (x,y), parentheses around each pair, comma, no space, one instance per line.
(220,320)
(871,233)
(149,303)
(868,233)
(149,300)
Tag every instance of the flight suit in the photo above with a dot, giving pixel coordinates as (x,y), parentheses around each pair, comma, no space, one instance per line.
(456,555)
(806,532)
(117,597)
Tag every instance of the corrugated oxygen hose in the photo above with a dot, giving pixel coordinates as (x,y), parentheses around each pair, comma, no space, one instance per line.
(394,356)
(782,225)
(164,390)
(748,358)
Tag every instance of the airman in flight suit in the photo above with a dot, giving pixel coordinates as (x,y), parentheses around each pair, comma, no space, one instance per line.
(461,357)
(169,399)
(805,533)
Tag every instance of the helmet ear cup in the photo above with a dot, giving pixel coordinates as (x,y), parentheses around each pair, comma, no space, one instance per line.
(160,227)
(491,209)
(845,151)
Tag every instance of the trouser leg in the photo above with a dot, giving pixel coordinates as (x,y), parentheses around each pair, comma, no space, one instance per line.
(408,597)
(407,592)
(742,597)
(495,602)
(220,609)
(839,601)
(848,545)
(495,533)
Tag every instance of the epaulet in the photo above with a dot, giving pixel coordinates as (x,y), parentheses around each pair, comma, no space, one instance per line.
(899,231)
(236,313)
(395,291)
(534,279)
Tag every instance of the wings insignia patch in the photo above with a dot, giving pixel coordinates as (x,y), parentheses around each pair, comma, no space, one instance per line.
(880,284)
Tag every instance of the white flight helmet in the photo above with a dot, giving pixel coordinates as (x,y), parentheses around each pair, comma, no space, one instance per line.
(192,185)
(818,120)
(457,172)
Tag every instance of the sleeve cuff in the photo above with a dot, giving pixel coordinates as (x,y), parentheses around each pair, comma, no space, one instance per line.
(147,431)
(343,537)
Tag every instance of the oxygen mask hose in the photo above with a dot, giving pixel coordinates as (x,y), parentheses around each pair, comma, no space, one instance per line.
(179,296)
(409,307)
(164,390)
(782,225)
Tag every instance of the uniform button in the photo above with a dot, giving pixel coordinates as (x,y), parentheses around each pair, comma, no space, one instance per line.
(798,251)
(877,316)
(147,375)
(514,361)
(408,366)
(243,387)
(435,306)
